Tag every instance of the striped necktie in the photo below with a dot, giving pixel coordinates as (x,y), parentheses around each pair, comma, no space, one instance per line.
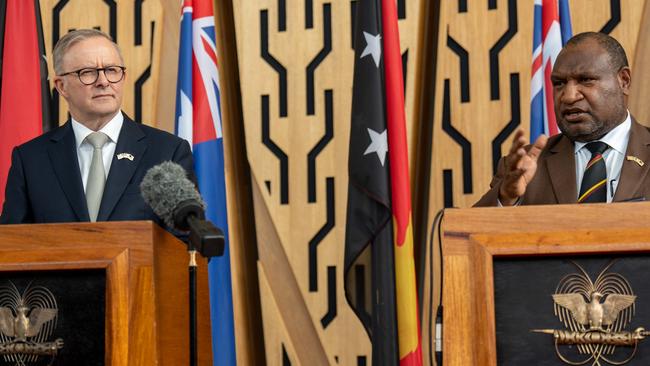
(594,181)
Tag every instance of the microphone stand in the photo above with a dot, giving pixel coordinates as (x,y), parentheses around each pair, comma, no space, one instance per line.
(209,241)
(192,304)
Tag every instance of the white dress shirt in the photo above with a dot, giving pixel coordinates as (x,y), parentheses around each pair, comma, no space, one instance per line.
(614,156)
(85,149)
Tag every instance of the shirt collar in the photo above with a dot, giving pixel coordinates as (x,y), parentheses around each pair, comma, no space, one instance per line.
(111,129)
(616,138)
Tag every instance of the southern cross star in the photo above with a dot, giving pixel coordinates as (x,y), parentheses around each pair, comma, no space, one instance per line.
(373,47)
(378,144)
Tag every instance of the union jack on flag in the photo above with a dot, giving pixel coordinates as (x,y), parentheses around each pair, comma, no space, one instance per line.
(198,120)
(551,31)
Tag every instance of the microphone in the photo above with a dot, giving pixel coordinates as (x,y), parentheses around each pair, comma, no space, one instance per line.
(174,198)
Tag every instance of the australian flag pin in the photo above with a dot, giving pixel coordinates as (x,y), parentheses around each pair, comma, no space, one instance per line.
(121,156)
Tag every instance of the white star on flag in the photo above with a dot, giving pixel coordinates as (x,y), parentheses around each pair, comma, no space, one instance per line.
(373,47)
(378,144)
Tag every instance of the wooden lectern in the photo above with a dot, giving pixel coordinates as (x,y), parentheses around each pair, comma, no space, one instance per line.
(474,238)
(146,283)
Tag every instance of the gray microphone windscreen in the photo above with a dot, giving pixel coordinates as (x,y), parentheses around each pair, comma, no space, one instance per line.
(164,187)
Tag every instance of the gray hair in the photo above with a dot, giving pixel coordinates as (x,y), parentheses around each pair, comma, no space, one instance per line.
(74,37)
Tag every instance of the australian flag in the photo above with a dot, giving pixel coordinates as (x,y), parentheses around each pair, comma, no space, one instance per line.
(198,120)
(551,31)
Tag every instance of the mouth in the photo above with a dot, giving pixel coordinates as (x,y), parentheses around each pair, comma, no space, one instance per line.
(574,114)
(103,96)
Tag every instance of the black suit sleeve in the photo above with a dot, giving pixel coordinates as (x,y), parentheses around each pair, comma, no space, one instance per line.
(183,157)
(17,208)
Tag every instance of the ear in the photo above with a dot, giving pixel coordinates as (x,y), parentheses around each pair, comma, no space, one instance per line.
(60,86)
(624,80)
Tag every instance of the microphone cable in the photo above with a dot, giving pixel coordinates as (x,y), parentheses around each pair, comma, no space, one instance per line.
(438,318)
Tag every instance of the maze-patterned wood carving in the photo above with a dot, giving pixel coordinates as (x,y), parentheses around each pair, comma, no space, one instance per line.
(136,26)
(296,62)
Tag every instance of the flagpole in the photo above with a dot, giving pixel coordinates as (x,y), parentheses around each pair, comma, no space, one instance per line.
(192,299)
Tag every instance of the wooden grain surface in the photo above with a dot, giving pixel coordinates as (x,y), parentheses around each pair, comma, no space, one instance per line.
(473,237)
(276,272)
(146,289)
(297,146)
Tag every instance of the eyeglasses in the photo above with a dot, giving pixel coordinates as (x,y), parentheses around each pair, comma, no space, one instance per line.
(89,76)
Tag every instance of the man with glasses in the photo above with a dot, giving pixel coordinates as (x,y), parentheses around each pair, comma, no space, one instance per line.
(90,168)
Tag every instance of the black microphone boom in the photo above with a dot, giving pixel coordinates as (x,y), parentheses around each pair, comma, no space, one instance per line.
(204,236)
(176,201)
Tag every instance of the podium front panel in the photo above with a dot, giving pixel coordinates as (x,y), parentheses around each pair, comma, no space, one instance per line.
(78,296)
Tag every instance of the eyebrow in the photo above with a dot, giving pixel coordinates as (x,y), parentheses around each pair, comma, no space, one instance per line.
(94,66)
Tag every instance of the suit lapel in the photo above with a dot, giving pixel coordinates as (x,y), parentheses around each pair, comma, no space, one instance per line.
(63,157)
(561,169)
(632,174)
(132,140)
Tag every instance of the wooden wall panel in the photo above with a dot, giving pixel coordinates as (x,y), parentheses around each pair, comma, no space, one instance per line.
(296,67)
(640,89)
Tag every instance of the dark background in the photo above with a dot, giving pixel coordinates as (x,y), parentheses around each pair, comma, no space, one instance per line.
(523,289)
(80,296)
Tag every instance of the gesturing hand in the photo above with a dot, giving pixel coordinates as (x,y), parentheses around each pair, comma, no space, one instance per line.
(521,165)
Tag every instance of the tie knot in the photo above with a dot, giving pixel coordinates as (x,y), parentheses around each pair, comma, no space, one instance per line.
(97,139)
(597,147)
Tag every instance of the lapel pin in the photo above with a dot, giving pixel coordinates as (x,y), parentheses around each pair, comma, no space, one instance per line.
(121,156)
(636,160)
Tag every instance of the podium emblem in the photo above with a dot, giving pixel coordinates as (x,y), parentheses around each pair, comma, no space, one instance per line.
(595,315)
(27,322)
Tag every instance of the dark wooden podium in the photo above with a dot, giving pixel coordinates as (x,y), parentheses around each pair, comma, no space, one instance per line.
(146,319)
(473,238)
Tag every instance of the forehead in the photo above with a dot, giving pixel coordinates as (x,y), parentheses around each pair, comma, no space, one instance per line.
(91,52)
(585,57)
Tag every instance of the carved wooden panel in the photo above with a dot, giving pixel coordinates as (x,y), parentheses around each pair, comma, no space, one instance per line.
(296,63)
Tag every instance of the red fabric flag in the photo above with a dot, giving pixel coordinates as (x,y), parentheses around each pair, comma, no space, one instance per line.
(20,99)
(408,328)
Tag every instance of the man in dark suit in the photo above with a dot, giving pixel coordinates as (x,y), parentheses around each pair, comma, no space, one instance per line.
(602,154)
(90,168)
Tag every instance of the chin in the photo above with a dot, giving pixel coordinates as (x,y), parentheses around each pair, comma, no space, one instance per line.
(105,109)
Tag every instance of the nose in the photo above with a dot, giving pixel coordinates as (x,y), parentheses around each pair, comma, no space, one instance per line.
(101,79)
(571,92)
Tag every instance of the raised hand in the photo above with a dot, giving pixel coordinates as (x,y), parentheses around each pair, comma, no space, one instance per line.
(521,165)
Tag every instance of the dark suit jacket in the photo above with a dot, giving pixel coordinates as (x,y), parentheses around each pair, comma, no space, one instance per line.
(44,182)
(555,179)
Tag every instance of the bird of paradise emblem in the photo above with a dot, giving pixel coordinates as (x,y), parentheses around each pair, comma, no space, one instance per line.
(595,315)
(27,321)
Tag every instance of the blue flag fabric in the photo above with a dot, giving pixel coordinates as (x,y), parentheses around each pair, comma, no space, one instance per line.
(198,120)
(551,31)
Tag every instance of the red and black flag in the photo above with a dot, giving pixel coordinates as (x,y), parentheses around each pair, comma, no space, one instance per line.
(379,203)
(24,89)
